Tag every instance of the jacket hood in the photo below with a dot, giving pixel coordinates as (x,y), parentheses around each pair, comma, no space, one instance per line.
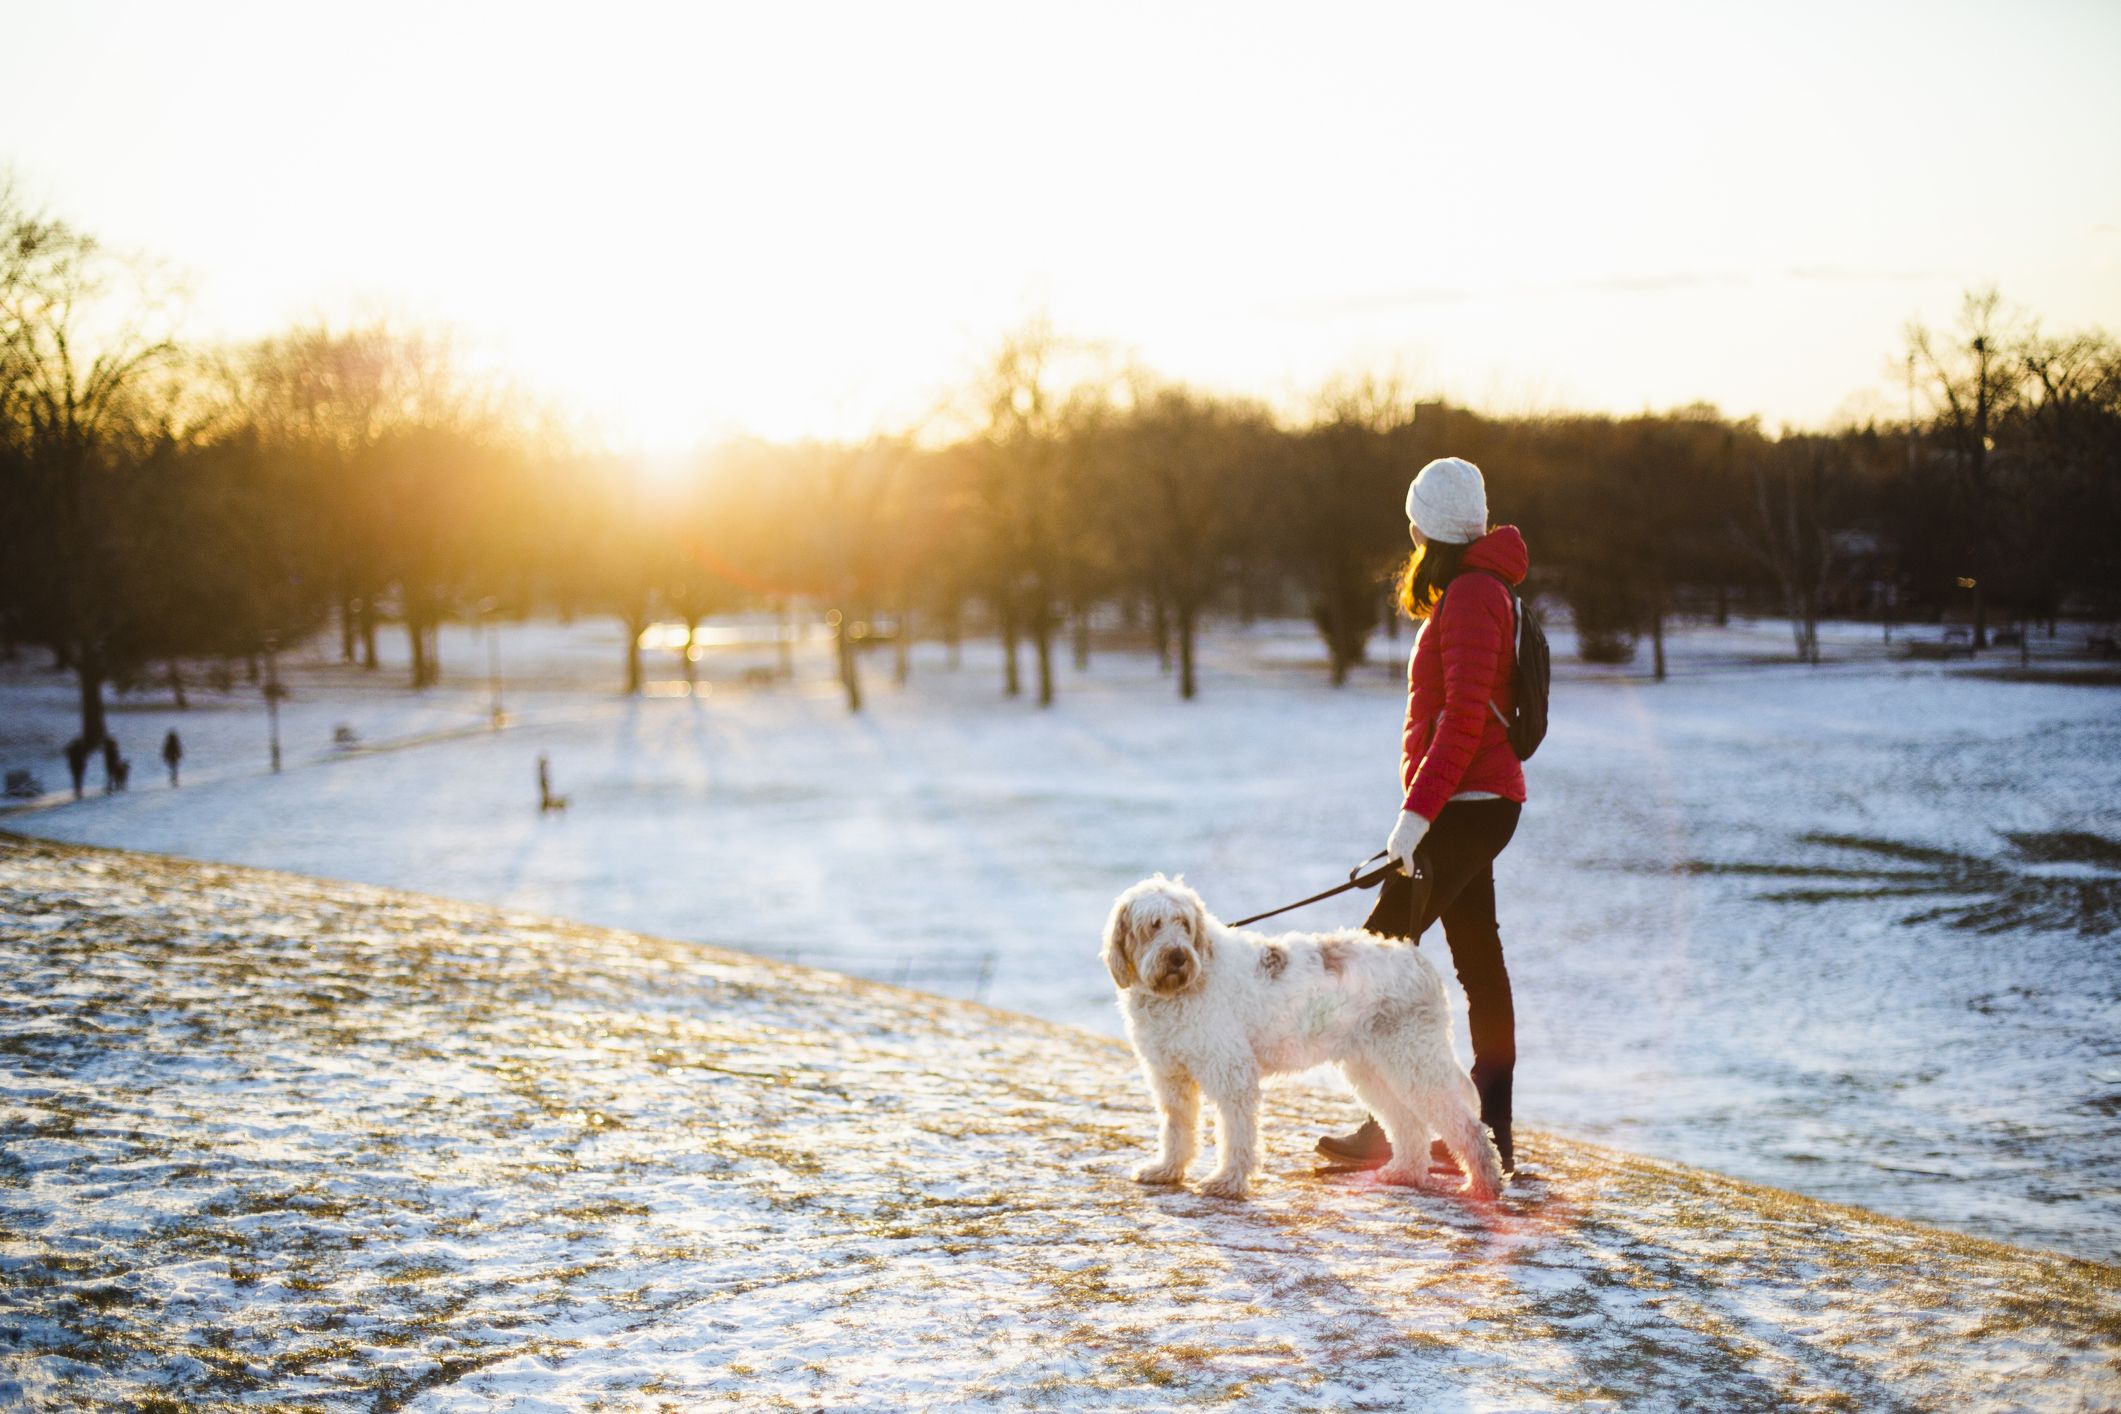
(1501,551)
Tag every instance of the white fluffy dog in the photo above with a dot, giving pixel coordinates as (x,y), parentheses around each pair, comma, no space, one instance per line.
(1211,1008)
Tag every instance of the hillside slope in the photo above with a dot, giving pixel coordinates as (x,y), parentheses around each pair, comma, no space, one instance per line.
(271,1141)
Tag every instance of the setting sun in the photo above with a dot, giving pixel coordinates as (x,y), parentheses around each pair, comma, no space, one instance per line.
(811,220)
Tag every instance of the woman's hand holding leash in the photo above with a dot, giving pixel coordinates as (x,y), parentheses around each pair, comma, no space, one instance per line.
(1406,838)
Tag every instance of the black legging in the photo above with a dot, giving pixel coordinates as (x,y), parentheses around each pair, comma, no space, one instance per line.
(1460,848)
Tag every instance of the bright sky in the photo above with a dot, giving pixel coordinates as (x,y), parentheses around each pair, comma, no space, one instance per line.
(794,218)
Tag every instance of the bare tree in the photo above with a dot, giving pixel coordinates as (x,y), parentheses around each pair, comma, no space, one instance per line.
(1972,382)
(1338,497)
(1652,477)
(849,493)
(2068,454)
(326,399)
(1792,534)
(85,352)
(1183,469)
(609,521)
(1032,389)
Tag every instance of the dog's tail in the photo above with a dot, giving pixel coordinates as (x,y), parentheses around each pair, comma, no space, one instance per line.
(1468,1139)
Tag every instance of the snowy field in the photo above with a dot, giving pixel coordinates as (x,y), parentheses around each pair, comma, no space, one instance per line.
(1847,930)
(267,1142)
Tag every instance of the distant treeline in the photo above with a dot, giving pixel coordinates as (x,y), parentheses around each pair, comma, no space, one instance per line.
(162,503)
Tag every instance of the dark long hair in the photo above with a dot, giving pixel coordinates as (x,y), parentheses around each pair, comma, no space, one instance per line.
(1429,569)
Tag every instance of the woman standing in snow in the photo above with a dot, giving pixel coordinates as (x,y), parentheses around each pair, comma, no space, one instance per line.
(1463,785)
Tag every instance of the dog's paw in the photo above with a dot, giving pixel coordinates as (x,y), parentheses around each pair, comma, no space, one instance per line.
(1405,1175)
(1227,1185)
(1160,1174)
(1480,1190)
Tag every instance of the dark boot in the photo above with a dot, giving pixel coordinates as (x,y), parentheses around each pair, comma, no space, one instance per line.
(1495,1087)
(1366,1148)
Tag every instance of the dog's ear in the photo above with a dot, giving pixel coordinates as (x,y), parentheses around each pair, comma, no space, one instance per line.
(1197,924)
(1119,947)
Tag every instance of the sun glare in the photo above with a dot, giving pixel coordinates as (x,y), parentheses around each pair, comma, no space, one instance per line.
(811,223)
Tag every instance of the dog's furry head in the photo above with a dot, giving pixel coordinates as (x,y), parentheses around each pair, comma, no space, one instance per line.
(1158,936)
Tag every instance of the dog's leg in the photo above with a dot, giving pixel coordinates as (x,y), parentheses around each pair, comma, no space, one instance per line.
(1236,1097)
(1459,1126)
(1178,1098)
(1404,1123)
(1422,1065)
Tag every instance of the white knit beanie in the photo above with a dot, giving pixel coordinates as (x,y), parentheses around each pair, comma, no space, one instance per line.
(1448,501)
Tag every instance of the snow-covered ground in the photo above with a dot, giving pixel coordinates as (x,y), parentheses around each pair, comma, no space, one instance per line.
(1848,930)
(270,1142)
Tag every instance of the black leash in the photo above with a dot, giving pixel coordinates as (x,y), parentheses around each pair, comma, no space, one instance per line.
(1360,877)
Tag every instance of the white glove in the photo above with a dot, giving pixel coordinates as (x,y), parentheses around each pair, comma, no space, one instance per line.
(1406,838)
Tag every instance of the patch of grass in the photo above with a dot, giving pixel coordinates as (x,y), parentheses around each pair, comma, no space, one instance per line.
(1143,1368)
(1086,1286)
(1997,895)
(104,1298)
(2068,847)
(397,1395)
(299,1361)
(564,1275)
(2054,677)
(406,1275)
(604,1209)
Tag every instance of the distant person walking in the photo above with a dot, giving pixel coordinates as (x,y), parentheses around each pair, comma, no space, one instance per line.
(77,753)
(172,755)
(548,803)
(1464,786)
(115,768)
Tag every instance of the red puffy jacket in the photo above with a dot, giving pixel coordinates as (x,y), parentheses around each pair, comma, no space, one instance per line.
(1464,658)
